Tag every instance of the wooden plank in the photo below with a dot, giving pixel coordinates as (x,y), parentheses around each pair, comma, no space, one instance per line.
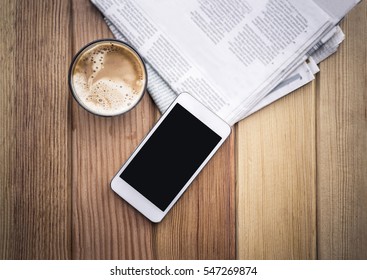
(342,145)
(104,226)
(34,156)
(276,180)
(7,133)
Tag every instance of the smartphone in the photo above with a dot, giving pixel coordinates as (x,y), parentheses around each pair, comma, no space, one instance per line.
(170,157)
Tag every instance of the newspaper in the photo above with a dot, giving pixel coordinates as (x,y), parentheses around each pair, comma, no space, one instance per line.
(304,74)
(229,54)
(163,95)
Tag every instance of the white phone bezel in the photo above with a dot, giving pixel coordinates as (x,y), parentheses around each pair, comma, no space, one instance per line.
(137,200)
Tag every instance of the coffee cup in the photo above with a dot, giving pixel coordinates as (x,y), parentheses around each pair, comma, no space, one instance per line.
(107,77)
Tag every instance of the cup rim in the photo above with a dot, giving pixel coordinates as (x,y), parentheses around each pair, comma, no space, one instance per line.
(78,54)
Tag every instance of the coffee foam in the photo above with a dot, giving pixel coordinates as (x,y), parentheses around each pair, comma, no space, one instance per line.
(108,79)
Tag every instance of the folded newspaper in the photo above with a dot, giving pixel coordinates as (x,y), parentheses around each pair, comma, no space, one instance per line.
(234,56)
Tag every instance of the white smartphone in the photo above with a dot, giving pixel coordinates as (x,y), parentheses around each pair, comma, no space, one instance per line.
(170,157)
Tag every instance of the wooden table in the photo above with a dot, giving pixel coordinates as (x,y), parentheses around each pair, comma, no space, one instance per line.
(290,183)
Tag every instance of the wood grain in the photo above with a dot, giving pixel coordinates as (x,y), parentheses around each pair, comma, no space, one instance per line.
(7,133)
(342,145)
(34,151)
(104,226)
(276,172)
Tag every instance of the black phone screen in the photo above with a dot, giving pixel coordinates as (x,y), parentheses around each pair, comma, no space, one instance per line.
(170,157)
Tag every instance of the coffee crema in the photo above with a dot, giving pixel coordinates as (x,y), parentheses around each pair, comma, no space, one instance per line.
(108,78)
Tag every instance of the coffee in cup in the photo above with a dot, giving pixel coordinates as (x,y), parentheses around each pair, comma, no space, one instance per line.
(107,77)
